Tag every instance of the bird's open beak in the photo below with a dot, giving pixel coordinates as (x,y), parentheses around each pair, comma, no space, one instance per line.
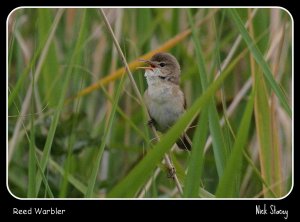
(151,67)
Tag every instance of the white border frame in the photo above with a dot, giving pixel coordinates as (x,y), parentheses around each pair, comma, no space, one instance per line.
(82,7)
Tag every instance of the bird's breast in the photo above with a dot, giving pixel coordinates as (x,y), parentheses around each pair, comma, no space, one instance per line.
(160,92)
(165,104)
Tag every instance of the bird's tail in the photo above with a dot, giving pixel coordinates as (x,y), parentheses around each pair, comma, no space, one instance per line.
(184,142)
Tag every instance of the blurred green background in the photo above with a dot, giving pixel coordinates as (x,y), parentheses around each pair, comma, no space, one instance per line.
(55,53)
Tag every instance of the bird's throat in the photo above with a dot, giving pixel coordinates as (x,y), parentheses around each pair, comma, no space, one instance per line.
(153,77)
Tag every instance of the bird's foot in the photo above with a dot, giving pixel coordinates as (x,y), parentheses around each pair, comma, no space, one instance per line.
(150,122)
(171,172)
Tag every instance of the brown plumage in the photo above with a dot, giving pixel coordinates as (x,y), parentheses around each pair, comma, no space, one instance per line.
(164,99)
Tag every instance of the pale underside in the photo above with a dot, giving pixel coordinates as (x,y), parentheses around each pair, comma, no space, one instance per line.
(164,100)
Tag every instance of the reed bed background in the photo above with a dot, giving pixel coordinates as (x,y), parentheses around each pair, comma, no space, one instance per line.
(77,129)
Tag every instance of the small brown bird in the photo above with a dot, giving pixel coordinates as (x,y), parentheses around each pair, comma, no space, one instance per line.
(164,99)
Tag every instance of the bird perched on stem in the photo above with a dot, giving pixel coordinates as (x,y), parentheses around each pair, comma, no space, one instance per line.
(164,99)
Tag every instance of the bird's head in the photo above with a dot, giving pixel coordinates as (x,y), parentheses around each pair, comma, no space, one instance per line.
(164,66)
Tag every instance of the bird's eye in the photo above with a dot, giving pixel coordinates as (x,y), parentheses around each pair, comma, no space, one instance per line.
(162,64)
